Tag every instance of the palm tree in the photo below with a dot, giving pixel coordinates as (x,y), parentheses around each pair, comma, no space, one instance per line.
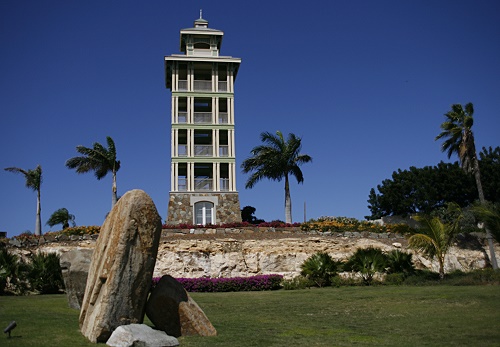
(276,160)
(320,268)
(34,182)
(367,262)
(434,239)
(98,159)
(61,216)
(459,139)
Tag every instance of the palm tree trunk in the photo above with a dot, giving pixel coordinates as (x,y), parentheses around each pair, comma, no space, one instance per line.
(288,202)
(38,223)
(441,267)
(114,198)
(489,237)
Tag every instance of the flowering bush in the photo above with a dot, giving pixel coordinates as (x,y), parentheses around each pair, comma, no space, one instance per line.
(342,224)
(235,284)
(26,236)
(273,224)
(79,230)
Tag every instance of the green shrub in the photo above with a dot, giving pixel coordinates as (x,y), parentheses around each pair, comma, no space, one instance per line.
(298,282)
(395,278)
(422,278)
(367,261)
(320,268)
(44,273)
(339,281)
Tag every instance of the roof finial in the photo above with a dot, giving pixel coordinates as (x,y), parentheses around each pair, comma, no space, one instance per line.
(201,11)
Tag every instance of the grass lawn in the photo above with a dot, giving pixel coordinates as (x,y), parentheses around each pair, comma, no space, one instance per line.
(372,316)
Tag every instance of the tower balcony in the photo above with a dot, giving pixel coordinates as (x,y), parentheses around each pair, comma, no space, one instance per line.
(202,86)
(203,184)
(203,117)
(203,150)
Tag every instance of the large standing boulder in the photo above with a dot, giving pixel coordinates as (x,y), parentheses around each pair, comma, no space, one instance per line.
(135,335)
(75,267)
(172,310)
(122,266)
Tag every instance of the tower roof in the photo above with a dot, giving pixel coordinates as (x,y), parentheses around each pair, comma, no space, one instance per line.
(200,28)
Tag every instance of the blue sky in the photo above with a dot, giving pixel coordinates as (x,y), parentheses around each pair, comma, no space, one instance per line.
(364,83)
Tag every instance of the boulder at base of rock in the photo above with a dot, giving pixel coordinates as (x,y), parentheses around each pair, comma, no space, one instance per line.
(172,310)
(75,267)
(122,266)
(140,335)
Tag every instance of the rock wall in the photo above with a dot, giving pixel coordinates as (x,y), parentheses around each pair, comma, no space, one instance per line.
(234,255)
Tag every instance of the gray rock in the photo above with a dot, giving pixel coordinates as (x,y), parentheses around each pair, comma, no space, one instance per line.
(172,310)
(121,268)
(75,267)
(140,335)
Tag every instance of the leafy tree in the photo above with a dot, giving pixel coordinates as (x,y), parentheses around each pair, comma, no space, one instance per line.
(367,261)
(489,214)
(276,160)
(247,215)
(489,164)
(98,159)
(45,274)
(320,268)
(34,182)
(421,190)
(434,238)
(63,217)
(459,140)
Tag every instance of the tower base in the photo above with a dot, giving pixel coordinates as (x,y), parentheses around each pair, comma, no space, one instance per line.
(181,207)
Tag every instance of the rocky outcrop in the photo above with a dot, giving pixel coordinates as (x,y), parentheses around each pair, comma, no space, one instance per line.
(172,310)
(229,254)
(75,265)
(122,264)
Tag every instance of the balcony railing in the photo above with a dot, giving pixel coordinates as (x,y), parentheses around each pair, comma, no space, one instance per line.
(203,86)
(203,150)
(224,184)
(182,117)
(222,86)
(223,118)
(183,85)
(182,150)
(223,151)
(203,117)
(203,183)
(182,184)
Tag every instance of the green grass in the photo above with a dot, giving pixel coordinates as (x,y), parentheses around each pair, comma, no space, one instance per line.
(370,316)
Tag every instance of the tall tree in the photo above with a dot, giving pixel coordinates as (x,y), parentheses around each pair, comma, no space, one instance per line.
(33,182)
(63,217)
(276,160)
(98,159)
(459,139)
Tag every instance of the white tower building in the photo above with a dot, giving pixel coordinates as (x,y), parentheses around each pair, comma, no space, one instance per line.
(203,168)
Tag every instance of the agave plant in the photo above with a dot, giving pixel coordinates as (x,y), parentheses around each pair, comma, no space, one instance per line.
(320,268)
